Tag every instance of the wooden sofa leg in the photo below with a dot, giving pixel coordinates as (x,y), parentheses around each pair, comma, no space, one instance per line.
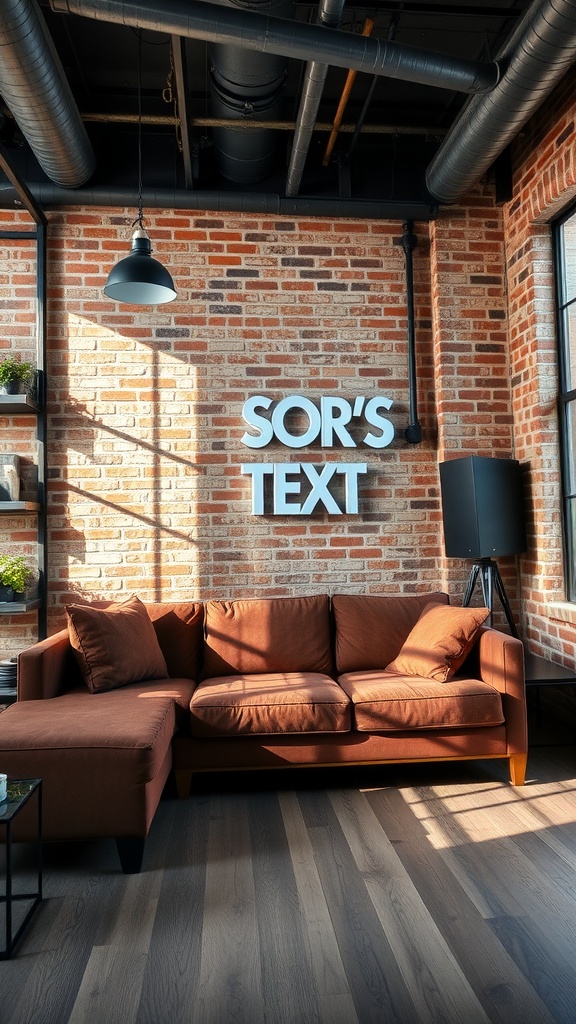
(518,764)
(130,852)
(183,779)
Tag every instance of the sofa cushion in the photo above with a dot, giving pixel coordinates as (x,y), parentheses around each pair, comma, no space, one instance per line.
(115,645)
(180,632)
(389,703)
(283,634)
(439,642)
(370,630)
(272,703)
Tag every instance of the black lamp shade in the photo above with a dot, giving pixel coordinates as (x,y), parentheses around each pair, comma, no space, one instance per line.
(139,279)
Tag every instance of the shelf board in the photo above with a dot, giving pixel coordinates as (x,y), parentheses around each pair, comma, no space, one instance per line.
(10,507)
(13,404)
(18,607)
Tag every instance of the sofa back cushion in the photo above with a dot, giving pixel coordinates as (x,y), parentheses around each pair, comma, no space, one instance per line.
(180,632)
(370,630)
(281,634)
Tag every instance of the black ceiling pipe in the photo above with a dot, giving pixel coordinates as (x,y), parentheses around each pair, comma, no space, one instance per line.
(49,195)
(413,432)
(198,19)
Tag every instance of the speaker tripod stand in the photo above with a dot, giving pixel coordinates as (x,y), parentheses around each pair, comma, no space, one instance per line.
(487,570)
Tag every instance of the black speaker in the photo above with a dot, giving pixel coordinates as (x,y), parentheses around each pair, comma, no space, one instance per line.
(482,507)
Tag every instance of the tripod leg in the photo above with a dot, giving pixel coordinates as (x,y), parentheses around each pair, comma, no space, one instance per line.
(487,590)
(471,584)
(504,599)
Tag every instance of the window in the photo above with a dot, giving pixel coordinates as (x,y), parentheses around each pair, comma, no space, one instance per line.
(565,238)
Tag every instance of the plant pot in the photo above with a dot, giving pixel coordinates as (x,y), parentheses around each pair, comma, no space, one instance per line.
(12,388)
(6,593)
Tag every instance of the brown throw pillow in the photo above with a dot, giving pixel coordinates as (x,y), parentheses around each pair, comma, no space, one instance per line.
(439,642)
(115,645)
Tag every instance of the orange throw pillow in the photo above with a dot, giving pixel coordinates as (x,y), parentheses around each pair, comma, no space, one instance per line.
(115,645)
(439,642)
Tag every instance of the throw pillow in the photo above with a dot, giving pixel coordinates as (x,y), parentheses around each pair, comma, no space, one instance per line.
(115,645)
(439,642)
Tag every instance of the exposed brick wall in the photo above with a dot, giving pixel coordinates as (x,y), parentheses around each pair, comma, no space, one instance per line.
(471,350)
(544,184)
(145,427)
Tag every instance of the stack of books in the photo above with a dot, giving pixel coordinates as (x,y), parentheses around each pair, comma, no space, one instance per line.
(8,670)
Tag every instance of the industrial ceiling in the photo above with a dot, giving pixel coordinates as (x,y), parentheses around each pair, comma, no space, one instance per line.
(238,101)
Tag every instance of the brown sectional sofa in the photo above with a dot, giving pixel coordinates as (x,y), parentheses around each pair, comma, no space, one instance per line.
(266,683)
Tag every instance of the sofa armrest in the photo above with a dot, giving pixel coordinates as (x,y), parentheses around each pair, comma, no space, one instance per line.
(501,664)
(47,669)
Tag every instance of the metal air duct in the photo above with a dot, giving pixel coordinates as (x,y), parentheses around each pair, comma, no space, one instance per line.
(197,19)
(536,57)
(329,14)
(34,87)
(247,86)
(273,203)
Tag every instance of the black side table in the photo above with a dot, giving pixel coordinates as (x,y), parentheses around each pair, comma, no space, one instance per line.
(19,792)
(541,672)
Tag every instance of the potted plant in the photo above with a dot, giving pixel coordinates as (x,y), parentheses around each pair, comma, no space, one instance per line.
(15,571)
(14,373)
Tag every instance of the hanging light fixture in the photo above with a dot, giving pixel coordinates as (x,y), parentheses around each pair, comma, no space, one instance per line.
(139,278)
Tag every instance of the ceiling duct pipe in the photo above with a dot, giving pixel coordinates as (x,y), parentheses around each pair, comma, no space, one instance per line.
(35,88)
(247,86)
(536,57)
(49,195)
(329,14)
(197,19)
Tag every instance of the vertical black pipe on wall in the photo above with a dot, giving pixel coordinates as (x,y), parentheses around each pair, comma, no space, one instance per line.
(413,432)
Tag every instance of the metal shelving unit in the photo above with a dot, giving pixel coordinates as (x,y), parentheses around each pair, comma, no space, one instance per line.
(20,405)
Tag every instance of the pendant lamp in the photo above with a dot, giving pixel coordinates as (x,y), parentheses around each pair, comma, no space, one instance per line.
(140,279)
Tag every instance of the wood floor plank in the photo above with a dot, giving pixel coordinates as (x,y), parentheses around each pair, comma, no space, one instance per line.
(111,986)
(438,987)
(288,985)
(335,1004)
(506,994)
(172,974)
(229,986)
(552,974)
(377,988)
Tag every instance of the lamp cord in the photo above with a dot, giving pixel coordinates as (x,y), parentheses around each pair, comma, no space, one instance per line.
(140,218)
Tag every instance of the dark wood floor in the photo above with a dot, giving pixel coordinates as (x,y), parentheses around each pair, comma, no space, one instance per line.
(431,895)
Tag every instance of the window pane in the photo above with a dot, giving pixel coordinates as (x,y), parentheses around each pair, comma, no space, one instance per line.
(570,554)
(570,449)
(569,248)
(570,349)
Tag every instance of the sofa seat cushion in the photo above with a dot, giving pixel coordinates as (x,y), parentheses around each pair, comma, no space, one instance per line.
(271,703)
(128,729)
(384,702)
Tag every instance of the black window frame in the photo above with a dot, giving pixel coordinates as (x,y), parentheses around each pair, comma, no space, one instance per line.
(566,402)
